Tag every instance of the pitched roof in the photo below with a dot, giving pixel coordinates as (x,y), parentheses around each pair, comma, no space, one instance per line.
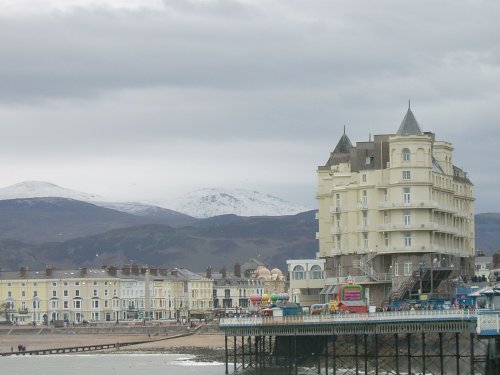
(409,126)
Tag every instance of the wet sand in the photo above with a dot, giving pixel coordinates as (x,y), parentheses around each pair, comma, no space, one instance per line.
(203,343)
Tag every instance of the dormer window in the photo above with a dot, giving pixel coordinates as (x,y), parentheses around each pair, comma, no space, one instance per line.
(406,154)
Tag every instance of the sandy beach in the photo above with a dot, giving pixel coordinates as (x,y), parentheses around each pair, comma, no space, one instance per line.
(199,343)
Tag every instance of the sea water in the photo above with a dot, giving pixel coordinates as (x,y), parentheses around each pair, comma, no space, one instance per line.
(105,364)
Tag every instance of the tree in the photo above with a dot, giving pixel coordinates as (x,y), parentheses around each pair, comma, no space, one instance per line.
(4,310)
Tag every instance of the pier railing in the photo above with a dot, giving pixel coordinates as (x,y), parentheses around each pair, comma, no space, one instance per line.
(377,317)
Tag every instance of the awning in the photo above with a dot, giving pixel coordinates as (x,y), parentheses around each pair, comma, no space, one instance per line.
(329,289)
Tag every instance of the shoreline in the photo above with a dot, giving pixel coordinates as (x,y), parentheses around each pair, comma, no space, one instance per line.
(204,346)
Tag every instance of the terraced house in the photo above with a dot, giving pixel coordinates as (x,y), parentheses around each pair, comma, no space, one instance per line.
(107,294)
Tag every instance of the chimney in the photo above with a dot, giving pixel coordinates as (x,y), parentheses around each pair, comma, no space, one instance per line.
(83,271)
(126,269)
(135,269)
(237,270)
(112,271)
(48,270)
(22,271)
(209,272)
(223,272)
(175,272)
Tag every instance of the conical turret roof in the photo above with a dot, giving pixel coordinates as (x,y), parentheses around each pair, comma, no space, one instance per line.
(344,145)
(341,152)
(409,126)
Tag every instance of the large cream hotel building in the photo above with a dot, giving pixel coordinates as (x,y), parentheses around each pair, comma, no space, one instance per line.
(395,215)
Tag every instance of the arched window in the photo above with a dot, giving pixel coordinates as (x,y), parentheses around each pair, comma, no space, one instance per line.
(406,154)
(298,273)
(316,272)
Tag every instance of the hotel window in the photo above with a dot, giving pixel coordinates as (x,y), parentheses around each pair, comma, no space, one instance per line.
(386,217)
(77,293)
(35,293)
(65,293)
(365,197)
(386,239)
(407,217)
(363,177)
(406,154)
(95,292)
(406,175)
(66,304)
(339,242)
(406,195)
(385,195)
(54,284)
(77,304)
(396,269)
(23,293)
(298,273)
(365,219)
(95,304)
(54,293)
(337,200)
(407,239)
(408,268)
(365,241)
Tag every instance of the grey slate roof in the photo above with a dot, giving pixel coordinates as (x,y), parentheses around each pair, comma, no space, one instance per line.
(344,146)
(409,126)
(341,153)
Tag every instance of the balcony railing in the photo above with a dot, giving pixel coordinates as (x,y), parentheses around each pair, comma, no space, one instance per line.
(335,209)
(411,227)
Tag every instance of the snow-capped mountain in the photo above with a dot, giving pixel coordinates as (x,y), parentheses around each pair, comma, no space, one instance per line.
(199,204)
(212,202)
(42,189)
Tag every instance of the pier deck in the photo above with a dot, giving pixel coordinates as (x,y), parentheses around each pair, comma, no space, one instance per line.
(428,341)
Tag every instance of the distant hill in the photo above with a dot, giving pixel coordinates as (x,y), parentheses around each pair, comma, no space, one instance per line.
(488,232)
(71,233)
(217,241)
(40,220)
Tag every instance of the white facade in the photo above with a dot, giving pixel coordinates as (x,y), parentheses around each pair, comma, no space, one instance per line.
(307,279)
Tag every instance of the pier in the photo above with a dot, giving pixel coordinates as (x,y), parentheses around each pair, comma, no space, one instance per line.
(403,342)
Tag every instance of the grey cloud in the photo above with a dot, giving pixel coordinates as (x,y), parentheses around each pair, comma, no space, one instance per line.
(197,44)
(181,85)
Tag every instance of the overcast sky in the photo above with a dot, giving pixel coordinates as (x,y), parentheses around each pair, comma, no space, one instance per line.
(146,100)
